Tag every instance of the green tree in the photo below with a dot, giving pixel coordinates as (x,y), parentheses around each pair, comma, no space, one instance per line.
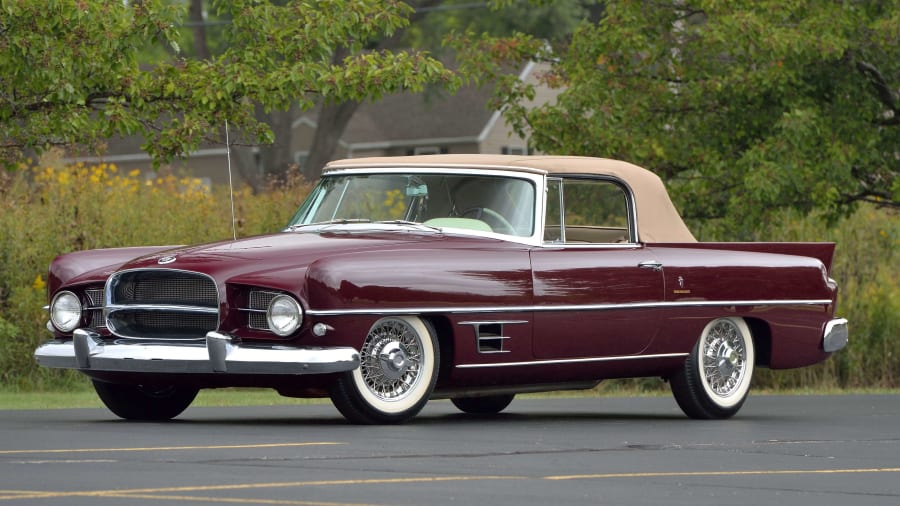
(430,22)
(70,73)
(743,106)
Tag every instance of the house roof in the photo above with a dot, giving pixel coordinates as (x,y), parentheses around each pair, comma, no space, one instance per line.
(657,218)
(411,119)
(429,115)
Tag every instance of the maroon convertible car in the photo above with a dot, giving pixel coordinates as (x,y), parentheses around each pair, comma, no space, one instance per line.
(469,277)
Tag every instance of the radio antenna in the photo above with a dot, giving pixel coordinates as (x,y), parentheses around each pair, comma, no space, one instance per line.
(230,183)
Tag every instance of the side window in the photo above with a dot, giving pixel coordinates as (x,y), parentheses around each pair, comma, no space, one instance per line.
(553,219)
(586,211)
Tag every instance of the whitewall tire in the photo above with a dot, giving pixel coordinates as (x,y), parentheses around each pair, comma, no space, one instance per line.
(715,379)
(398,370)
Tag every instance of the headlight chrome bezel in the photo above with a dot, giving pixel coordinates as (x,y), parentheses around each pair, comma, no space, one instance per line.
(66,311)
(284,315)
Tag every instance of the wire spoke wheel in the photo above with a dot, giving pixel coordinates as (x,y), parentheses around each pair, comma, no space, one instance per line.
(724,358)
(396,375)
(715,379)
(391,360)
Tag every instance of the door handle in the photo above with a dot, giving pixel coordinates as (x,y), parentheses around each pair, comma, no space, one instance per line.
(651,264)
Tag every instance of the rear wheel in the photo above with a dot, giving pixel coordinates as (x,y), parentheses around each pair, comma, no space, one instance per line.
(396,375)
(715,379)
(488,405)
(145,402)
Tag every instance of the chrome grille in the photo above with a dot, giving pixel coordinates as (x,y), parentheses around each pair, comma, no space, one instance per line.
(162,304)
(259,303)
(94,311)
(154,287)
(160,324)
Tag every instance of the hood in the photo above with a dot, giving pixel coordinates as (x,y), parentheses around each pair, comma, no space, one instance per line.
(275,260)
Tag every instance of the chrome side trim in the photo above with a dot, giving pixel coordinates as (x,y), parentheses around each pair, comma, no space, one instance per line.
(586,307)
(219,353)
(836,335)
(493,322)
(573,361)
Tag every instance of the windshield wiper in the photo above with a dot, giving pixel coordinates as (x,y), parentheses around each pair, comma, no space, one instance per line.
(341,221)
(409,223)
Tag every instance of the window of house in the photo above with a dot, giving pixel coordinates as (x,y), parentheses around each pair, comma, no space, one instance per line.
(514,150)
(586,211)
(300,158)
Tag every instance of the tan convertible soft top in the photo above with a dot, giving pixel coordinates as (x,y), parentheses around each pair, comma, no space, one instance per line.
(658,220)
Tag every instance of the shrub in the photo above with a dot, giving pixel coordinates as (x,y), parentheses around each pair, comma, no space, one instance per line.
(49,210)
(56,209)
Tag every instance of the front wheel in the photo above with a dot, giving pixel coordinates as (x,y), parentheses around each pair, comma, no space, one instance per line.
(715,379)
(145,402)
(487,405)
(397,373)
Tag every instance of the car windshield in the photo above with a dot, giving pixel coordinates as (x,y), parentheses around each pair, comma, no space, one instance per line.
(498,204)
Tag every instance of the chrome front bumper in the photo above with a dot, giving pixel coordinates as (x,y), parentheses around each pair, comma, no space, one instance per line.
(836,335)
(220,353)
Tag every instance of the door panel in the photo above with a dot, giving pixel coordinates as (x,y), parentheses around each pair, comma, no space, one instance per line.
(594,289)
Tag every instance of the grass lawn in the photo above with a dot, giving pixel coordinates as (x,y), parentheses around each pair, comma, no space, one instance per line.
(88,399)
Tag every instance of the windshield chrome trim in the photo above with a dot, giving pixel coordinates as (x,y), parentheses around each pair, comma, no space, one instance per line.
(426,167)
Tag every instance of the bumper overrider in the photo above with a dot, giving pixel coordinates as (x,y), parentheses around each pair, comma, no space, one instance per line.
(218,353)
(836,335)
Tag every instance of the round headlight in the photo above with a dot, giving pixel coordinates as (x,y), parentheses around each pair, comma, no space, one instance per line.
(284,315)
(65,311)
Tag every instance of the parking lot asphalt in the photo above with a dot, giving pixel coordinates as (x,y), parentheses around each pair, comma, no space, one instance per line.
(815,450)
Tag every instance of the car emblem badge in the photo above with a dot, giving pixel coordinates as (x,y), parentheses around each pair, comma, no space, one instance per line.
(681,290)
(165,260)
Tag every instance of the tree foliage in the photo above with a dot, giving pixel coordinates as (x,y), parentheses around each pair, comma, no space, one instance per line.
(744,106)
(70,72)
(429,24)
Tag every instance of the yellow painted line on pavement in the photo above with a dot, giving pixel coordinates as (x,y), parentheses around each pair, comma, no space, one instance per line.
(156,492)
(170,448)
(169,493)
(701,474)
(232,500)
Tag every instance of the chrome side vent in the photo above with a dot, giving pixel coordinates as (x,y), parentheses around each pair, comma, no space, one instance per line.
(490,336)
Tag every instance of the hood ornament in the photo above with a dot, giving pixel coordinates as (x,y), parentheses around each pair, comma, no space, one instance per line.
(166,260)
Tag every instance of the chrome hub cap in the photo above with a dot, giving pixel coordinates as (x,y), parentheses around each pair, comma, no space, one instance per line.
(390,360)
(724,358)
(393,360)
